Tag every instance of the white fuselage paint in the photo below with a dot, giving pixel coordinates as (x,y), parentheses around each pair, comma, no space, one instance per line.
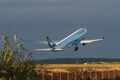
(74,36)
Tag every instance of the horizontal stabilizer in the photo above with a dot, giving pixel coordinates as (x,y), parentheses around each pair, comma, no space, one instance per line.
(43,49)
(55,50)
(46,43)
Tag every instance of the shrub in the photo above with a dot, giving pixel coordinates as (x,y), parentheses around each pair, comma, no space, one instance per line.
(15,61)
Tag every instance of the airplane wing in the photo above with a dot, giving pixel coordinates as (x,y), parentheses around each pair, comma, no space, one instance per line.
(83,42)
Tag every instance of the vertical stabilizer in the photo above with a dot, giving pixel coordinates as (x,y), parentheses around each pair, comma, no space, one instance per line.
(50,43)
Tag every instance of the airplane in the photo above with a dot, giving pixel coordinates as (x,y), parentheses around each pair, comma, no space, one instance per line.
(72,40)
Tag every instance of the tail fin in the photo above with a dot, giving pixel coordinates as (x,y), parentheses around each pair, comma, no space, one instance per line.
(50,43)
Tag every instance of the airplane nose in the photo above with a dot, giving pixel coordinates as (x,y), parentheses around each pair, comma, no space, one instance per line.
(84,29)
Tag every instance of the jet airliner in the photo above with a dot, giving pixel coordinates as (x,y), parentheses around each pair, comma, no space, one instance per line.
(72,40)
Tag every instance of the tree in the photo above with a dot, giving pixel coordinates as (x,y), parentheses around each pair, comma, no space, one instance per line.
(15,61)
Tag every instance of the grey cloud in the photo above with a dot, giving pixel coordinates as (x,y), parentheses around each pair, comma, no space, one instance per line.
(35,19)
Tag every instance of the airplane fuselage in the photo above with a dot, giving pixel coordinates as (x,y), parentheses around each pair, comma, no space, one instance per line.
(71,39)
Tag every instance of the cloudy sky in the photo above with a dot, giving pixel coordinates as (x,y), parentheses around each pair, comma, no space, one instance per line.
(36,19)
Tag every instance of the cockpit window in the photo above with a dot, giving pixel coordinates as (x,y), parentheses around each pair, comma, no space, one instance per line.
(81,32)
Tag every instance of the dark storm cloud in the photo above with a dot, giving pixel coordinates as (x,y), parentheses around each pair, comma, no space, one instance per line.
(35,19)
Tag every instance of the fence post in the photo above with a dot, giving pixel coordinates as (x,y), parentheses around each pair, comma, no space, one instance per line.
(75,76)
(68,76)
(60,75)
(42,74)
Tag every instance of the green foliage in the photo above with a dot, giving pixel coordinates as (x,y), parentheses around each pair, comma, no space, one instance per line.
(15,62)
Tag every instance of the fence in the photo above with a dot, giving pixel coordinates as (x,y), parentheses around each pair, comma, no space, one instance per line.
(79,72)
(80,75)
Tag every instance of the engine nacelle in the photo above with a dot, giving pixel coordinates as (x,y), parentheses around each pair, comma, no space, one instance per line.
(83,44)
(57,50)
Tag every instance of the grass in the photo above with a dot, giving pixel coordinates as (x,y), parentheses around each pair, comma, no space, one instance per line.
(89,66)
